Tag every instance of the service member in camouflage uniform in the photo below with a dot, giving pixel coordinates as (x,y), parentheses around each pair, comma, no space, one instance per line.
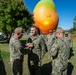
(44,37)
(16,52)
(54,31)
(69,40)
(50,39)
(60,54)
(54,34)
(36,53)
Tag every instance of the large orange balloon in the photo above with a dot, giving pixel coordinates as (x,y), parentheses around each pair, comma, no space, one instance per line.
(45,17)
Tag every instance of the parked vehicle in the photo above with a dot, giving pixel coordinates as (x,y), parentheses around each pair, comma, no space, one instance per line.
(2,36)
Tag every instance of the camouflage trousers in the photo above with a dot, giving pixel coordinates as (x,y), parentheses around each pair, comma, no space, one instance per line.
(58,68)
(58,72)
(17,66)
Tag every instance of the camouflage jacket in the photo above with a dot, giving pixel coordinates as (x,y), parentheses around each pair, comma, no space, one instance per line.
(44,37)
(39,47)
(50,40)
(69,41)
(60,50)
(60,53)
(16,49)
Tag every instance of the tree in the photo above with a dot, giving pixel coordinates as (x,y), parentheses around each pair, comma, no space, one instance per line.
(74,23)
(73,29)
(13,13)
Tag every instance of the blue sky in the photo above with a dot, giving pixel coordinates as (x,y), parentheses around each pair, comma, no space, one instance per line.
(66,10)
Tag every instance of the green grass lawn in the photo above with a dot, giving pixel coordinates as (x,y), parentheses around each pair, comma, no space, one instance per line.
(46,62)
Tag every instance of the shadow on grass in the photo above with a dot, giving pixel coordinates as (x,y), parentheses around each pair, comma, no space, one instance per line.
(46,69)
(70,68)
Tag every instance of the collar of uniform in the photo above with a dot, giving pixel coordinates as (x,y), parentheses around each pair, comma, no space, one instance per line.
(62,38)
(15,37)
(34,37)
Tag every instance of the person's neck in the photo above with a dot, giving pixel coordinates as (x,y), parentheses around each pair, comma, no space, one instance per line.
(34,35)
(60,37)
(16,36)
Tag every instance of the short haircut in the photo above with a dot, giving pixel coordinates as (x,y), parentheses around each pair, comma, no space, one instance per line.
(18,30)
(38,30)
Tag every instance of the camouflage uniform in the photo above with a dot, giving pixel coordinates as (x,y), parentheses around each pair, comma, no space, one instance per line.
(59,51)
(71,41)
(68,39)
(60,54)
(44,37)
(35,55)
(50,40)
(16,55)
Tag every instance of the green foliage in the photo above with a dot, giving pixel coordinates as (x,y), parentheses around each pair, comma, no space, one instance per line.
(74,23)
(14,14)
(73,30)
